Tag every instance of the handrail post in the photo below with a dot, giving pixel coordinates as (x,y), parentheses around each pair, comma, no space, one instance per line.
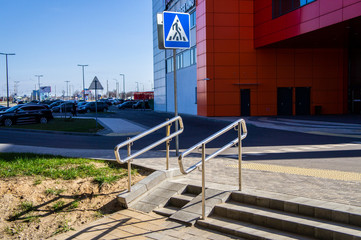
(203,181)
(167,143)
(129,167)
(240,156)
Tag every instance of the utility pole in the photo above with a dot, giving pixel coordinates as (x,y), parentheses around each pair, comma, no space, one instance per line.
(107,89)
(39,76)
(16,87)
(123,75)
(83,65)
(67,82)
(116,88)
(7,78)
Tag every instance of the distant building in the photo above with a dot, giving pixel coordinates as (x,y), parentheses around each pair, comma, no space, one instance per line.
(143,95)
(263,57)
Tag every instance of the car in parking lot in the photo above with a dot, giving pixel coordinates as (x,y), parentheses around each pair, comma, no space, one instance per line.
(127,104)
(26,113)
(64,107)
(3,108)
(90,107)
(141,105)
(56,103)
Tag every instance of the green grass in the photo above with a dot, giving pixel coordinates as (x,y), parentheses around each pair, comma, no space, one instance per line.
(65,125)
(58,206)
(54,191)
(56,167)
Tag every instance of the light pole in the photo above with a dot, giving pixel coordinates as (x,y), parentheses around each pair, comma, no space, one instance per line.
(67,82)
(83,65)
(7,78)
(116,88)
(137,86)
(39,76)
(123,75)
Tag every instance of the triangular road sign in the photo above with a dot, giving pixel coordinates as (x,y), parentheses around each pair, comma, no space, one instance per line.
(176,33)
(96,85)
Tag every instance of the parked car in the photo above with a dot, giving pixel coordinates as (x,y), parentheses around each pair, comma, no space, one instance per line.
(64,107)
(90,107)
(141,105)
(3,108)
(107,101)
(127,104)
(80,104)
(26,113)
(57,103)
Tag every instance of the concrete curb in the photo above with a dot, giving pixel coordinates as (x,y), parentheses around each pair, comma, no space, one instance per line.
(139,189)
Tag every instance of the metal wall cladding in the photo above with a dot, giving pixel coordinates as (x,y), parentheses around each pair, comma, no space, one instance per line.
(229,59)
(316,15)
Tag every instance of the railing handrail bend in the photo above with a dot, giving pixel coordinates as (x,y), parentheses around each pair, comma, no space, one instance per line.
(141,135)
(241,124)
(130,141)
(207,140)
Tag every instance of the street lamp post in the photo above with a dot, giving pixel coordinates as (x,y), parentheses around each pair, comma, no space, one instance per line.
(116,88)
(7,78)
(67,82)
(137,86)
(39,76)
(83,65)
(123,75)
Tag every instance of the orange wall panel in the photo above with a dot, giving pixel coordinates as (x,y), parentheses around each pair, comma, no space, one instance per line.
(266,71)
(227,56)
(226,85)
(227,110)
(224,98)
(226,72)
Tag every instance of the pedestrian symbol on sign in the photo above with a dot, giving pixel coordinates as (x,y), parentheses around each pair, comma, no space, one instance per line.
(176,30)
(177,33)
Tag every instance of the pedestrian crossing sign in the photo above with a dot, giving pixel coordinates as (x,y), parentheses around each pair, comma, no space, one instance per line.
(176,30)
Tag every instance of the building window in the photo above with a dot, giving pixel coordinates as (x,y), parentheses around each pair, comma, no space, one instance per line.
(193,19)
(184,59)
(195,94)
(281,7)
(193,55)
(169,65)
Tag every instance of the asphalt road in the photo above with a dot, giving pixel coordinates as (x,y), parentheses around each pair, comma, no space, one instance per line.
(196,129)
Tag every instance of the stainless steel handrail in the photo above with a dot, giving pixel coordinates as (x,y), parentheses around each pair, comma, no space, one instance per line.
(240,126)
(130,142)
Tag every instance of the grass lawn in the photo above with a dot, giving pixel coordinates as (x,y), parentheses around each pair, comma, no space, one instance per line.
(45,195)
(28,164)
(65,125)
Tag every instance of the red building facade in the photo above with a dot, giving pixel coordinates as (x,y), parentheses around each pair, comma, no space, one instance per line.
(306,61)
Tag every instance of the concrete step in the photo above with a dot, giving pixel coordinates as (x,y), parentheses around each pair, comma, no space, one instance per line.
(245,230)
(181,200)
(166,211)
(192,211)
(192,189)
(303,206)
(289,222)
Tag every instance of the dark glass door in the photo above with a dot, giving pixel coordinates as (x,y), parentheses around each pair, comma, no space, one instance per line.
(245,102)
(284,101)
(303,102)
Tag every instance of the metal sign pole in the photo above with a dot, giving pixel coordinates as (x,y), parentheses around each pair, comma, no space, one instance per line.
(96,106)
(175,100)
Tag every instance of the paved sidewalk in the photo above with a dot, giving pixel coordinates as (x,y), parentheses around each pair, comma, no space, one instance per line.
(131,224)
(332,179)
(120,127)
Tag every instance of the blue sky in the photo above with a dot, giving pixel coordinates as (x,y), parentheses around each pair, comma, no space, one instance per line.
(51,37)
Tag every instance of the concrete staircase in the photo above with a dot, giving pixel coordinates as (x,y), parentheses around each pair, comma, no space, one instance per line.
(176,202)
(248,214)
(278,217)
